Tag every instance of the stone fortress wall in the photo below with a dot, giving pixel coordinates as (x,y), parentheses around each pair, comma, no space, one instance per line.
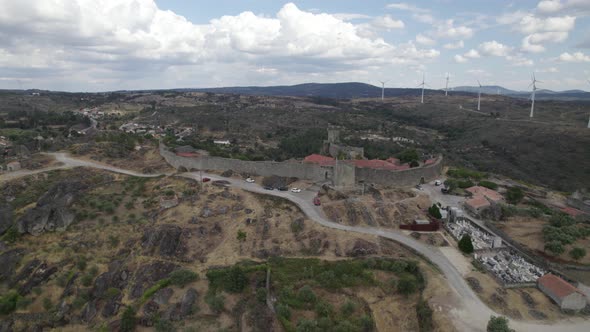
(306,171)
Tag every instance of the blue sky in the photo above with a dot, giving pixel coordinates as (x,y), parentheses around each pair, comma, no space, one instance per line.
(100,45)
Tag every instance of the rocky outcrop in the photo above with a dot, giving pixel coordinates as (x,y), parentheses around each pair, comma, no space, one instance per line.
(6,217)
(116,277)
(165,240)
(40,276)
(52,212)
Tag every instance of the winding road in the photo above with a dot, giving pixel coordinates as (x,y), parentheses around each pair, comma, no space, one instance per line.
(468,312)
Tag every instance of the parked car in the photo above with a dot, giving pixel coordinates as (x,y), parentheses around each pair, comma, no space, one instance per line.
(269,188)
(444,190)
(295,190)
(206,179)
(316,201)
(283,188)
(437,182)
(250,180)
(419,187)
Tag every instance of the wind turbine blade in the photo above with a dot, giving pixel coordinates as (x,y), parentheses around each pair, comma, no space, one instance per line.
(479,83)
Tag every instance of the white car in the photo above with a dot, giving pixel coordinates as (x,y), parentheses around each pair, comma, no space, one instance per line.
(437,182)
(250,180)
(295,190)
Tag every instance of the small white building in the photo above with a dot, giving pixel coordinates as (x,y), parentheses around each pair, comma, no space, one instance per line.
(222,142)
(563,293)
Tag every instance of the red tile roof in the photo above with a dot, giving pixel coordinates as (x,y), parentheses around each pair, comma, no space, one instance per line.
(319,159)
(430,161)
(483,191)
(557,286)
(393,160)
(477,202)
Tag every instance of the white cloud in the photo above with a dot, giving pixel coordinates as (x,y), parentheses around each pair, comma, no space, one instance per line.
(494,48)
(574,57)
(387,22)
(478,72)
(421,39)
(424,18)
(531,24)
(549,6)
(459,58)
(531,48)
(351,16)
(519,60)
(472,54)
(511,17)
(548,70)
(407,7)
(447,29)
(453,46)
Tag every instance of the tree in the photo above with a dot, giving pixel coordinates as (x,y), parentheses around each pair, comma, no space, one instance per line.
(514,195)
(241,235)
(498,324)
(128,320)
(577,253)
(434,211)
(407,285)
(465,244)
(555,247)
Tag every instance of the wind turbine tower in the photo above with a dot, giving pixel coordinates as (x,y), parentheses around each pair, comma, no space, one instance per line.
(588,117)
(422,85)
(447,86)
(534,85)
(383,89)
(479,96)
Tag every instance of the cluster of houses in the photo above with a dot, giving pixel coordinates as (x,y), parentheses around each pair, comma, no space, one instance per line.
(481,199)
(91,112)
(156,131)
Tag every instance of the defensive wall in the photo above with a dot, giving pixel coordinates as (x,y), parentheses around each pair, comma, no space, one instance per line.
(307,171)
(404,178)
(295,169)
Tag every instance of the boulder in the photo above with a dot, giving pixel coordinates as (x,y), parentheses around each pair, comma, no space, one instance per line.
(40,276)
(187,302)
(6,217)
(26,271)
(8,261)
(52,212)
(89,311)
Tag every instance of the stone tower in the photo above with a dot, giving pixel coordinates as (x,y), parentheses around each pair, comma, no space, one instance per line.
(333,135)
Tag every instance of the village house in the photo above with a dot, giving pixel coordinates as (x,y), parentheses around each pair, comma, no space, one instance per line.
(563,293)
(481,199)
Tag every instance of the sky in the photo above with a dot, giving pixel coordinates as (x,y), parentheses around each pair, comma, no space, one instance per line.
(106,45)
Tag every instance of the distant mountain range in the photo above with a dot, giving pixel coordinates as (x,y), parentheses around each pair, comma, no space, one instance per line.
(362,90)
(351,90)
(542,94)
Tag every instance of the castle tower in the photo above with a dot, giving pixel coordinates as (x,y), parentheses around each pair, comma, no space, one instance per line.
(333,135)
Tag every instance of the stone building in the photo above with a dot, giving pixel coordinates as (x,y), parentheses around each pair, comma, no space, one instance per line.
(563,293)
(13,166)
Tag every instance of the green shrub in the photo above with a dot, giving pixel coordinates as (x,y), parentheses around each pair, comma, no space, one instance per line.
(306,295)
(128,320)
(307,325)
(241,235)
(348,308)
(8,302)
(514,195)
(81,263)
(488,184)
(323,309)
(112,293)
(152,290)
(232,280)
(23,302)
(465,184)
(297,226)
(261,295)
(86,280)
(47,304)
(163,325)
(424,314)
(466,174)
(555,247)
(407,285)
(465,244)
(434,211)
(283,311)
(183,277)
(215,302)
(498,324)
(577,253)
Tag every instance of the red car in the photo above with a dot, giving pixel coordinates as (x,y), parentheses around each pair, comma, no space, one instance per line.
(206,179)
(316,201)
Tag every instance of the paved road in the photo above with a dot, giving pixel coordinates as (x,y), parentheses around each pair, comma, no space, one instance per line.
(468,312)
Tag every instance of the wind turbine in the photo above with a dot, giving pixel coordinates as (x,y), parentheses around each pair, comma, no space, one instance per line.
(422,85)
(479,96)
(534,85)
(383,89)
(588,117)
(447,85)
